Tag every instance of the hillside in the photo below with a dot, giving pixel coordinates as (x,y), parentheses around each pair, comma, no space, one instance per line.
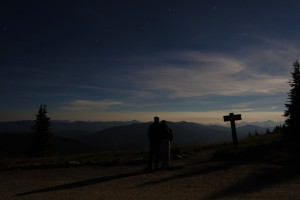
(81,137)
(119,137)
(244,130)
(201,174)
(62,128)
(185,133)
(19,145)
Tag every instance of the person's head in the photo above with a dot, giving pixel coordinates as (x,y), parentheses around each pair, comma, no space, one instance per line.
(156,119)
(163,122)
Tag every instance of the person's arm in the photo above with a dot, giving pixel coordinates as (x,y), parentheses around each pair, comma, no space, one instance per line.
(150,133)
(171,134)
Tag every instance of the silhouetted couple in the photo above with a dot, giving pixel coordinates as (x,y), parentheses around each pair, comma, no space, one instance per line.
(160,136)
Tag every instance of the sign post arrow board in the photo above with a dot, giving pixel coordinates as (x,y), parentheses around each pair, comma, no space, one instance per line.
(232,118)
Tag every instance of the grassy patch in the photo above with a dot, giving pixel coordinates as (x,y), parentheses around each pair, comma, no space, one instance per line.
(271,148)
(105,158)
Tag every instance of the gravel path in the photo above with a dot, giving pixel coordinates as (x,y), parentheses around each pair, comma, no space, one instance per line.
(190,178)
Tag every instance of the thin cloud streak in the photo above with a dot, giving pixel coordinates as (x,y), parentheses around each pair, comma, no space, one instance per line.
(81,105)
(140,94)
(243,104)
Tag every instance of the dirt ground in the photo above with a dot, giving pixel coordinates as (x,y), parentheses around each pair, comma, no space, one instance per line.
(195,177)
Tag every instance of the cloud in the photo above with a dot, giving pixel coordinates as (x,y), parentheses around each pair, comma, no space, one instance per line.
(251,107)
(223,76)
(200,75)
(271,56)
(80,105)
(257,70)
(243,105)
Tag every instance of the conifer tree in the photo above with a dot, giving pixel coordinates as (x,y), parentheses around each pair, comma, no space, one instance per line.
(42,137)
(292,112)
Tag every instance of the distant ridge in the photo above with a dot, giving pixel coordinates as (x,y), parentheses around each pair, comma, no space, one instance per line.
(62,125)
(185,133)
(96,126)
(90,136)
(268,124)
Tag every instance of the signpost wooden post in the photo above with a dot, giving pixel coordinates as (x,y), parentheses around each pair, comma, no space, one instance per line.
(232,118)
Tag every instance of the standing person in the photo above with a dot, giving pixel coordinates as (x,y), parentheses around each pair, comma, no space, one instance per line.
(167,137)
(154,135)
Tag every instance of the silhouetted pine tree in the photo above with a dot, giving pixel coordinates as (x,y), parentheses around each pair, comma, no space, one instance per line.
(292,112)
(42,137)
(276,129)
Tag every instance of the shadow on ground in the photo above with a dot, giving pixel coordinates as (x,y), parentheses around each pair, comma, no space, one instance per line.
(266,178)
(83,183)
(211,168)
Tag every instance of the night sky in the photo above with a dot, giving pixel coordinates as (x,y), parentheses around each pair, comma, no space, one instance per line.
(192,60)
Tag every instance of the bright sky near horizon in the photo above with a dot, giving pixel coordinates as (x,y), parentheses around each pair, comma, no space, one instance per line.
(193,60)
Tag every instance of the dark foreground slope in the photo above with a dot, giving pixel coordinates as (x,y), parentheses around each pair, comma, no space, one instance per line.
(197,176)
(19,145)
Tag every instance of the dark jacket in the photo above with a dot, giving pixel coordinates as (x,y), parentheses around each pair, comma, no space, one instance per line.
(166,133)
(154,133)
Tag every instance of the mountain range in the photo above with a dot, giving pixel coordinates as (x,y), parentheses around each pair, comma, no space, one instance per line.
(76,137)
(185,133)
(62,125)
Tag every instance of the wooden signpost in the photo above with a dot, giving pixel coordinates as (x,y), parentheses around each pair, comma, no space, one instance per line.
(232,118)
